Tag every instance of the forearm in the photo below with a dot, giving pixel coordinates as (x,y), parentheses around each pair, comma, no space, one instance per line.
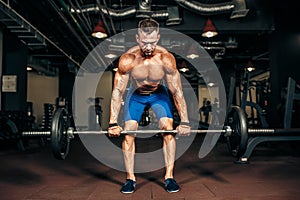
(115,106)
(181,106)
(174,83)
(120,84)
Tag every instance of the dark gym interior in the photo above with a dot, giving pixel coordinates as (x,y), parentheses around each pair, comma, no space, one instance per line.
(47,46)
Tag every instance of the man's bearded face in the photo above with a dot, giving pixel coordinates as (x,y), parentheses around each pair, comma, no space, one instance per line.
(148,42)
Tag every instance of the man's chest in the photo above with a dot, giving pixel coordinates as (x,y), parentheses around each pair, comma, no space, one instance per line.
(148,69)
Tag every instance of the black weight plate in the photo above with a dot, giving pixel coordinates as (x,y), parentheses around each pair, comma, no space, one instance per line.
(237,142)
(60,142)
(8,129)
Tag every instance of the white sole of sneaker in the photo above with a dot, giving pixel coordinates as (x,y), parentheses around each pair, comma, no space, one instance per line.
(173,191)
(127,192)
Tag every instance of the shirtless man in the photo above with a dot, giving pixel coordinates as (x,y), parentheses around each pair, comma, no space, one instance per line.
(147,65)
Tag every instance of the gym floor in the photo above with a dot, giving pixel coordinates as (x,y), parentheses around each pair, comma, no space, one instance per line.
(272,174)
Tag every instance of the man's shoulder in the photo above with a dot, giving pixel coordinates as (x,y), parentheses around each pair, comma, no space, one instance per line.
(133,50)
(167,57)
(127,60)
(127,56)
(165,54)
(130,53)
(162,50)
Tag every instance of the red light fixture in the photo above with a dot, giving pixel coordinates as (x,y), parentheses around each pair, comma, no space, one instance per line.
(192,53)
(99,31)
(183,67)
(249,66)
(209,29)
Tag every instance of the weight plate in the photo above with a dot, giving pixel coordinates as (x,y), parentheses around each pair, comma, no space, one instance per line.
(60,142)
(237,142)
(8,129)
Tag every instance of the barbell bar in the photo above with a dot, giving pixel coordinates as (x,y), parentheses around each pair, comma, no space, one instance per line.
(61,133)
(71,132)
(236,131)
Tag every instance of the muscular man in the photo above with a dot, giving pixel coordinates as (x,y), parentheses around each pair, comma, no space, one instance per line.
(147,65)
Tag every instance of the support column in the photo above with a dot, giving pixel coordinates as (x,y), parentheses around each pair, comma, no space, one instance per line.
(14,63)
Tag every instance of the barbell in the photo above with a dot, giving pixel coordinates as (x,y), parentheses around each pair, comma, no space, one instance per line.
(236,131)
(237,141)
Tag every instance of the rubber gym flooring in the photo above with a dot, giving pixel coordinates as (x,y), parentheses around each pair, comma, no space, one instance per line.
(34,174)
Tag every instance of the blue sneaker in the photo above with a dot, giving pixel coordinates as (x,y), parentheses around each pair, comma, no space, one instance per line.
(128,187)
(171,185)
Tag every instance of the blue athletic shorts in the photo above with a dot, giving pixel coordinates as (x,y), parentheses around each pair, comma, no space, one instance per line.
(159,101)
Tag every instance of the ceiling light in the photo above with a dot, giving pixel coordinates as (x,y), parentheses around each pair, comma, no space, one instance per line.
(209,29)
(183,67)
(110,55)
(29,68)
(192,56)
(211,84)
(99,31)
(250,67)
(192,53)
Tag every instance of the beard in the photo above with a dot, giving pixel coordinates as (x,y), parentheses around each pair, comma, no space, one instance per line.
(147,52)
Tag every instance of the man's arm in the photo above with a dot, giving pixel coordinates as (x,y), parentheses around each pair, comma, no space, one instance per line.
(174,85)
(120,84)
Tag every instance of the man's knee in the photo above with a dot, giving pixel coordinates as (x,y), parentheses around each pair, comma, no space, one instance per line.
(168,137)
(129,138)
(166,123)
(130,125)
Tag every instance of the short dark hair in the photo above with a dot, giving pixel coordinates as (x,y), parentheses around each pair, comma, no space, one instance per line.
(148,25)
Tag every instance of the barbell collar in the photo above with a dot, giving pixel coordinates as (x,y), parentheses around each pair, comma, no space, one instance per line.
(227,131)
